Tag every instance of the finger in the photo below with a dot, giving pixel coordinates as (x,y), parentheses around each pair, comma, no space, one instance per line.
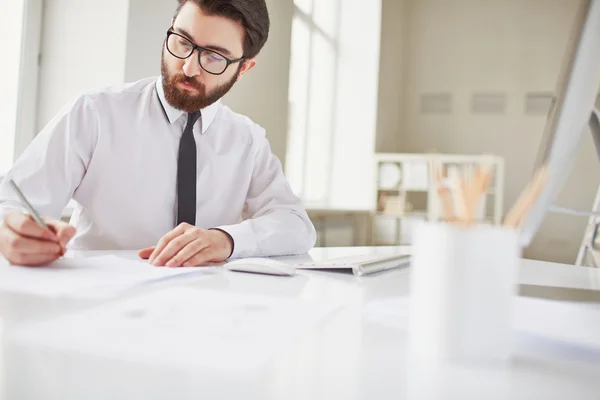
(33,260)
(201,258)
(189,251)
(13,243)
(166,239)
(173,247)
(24,225)
(144,254)
(64,232)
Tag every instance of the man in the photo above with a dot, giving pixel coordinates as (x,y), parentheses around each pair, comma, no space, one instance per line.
(160,164)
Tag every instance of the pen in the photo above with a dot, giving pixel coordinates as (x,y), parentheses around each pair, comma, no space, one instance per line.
(36,217)
(28,206)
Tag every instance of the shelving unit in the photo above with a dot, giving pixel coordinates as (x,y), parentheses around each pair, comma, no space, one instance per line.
(405,191)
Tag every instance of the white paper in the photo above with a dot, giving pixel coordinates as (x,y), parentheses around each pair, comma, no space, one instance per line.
(82,277)
(561,321)
(182,328)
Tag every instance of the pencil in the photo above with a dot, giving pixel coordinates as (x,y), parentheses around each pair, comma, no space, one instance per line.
(28,206)
(477,189)
(526,200)
(34,214)
(458,196)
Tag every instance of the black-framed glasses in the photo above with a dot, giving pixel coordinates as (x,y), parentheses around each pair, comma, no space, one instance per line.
(210,61)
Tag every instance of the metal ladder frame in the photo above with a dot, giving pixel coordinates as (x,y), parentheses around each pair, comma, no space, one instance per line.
(585,256)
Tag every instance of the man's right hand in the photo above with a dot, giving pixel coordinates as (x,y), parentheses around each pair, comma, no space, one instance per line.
(24,242)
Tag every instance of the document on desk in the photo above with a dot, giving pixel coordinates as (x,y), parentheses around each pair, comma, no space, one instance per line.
(570,327)
(83,277)
(182,327)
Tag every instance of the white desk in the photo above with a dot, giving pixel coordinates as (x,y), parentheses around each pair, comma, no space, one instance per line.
(349,357)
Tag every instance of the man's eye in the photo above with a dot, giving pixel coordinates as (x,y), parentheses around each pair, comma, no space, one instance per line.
(212,57)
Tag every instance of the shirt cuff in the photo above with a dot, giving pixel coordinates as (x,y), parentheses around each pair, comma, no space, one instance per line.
(244,240)
(230,239)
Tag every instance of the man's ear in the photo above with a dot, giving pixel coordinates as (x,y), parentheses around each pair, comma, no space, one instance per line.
(246,66)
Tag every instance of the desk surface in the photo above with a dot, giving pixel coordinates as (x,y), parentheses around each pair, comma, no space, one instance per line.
(349,357)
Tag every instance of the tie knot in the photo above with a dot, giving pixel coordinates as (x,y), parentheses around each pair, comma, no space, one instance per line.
(193,117)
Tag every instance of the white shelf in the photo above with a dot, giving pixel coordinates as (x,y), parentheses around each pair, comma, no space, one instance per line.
(415,178)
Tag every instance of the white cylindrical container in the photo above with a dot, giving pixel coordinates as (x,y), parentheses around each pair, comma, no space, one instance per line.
(463,281)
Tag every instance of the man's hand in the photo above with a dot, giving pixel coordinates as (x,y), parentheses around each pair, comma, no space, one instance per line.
(24,242)
(187,246)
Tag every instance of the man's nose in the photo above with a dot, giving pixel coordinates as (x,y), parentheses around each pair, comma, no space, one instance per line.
(192,67)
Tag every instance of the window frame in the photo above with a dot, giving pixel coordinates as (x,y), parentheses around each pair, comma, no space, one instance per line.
(313,28)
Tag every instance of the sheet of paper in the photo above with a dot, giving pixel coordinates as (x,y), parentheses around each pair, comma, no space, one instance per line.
(551,323)
(181,327)
(566,323)
(82,277)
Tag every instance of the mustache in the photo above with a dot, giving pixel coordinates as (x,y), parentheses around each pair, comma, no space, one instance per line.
(186,79)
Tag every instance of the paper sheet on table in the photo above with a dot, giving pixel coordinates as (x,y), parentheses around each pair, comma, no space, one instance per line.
(181,327)
(568,328)
(83,277)
(558,322)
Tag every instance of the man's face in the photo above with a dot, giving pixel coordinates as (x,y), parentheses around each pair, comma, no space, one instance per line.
(187,86)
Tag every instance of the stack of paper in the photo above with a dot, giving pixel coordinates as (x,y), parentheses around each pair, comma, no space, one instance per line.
(82,277)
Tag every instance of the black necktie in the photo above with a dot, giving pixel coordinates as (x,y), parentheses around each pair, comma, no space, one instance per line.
(186,173)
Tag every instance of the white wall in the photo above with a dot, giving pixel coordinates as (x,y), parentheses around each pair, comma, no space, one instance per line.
(392,73)
(83,47)
(26,128)
(262,94)
(510,47)
(146,31)
(11,22)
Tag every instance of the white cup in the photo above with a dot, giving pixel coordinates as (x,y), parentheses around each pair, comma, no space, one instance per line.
(463,281)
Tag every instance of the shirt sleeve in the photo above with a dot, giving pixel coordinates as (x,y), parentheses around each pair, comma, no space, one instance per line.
(278,223)
(52,167)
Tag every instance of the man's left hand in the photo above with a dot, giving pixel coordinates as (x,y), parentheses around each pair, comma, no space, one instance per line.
(187,246)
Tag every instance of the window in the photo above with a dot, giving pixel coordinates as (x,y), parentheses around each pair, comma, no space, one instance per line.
(11,35)
(312,98)
(334,78)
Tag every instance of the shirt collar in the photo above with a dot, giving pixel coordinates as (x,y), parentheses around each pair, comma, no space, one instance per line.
(208,113)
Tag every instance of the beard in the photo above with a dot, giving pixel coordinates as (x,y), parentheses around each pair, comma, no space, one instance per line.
(187,101)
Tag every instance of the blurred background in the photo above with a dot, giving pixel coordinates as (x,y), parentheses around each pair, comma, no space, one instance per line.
(359,99)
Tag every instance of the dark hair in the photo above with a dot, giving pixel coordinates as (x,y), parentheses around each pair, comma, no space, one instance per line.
(252,14)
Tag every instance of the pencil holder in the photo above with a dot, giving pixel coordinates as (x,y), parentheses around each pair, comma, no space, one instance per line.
(463,281)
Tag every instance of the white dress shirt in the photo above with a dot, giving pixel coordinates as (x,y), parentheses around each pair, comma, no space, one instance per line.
(115,153)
